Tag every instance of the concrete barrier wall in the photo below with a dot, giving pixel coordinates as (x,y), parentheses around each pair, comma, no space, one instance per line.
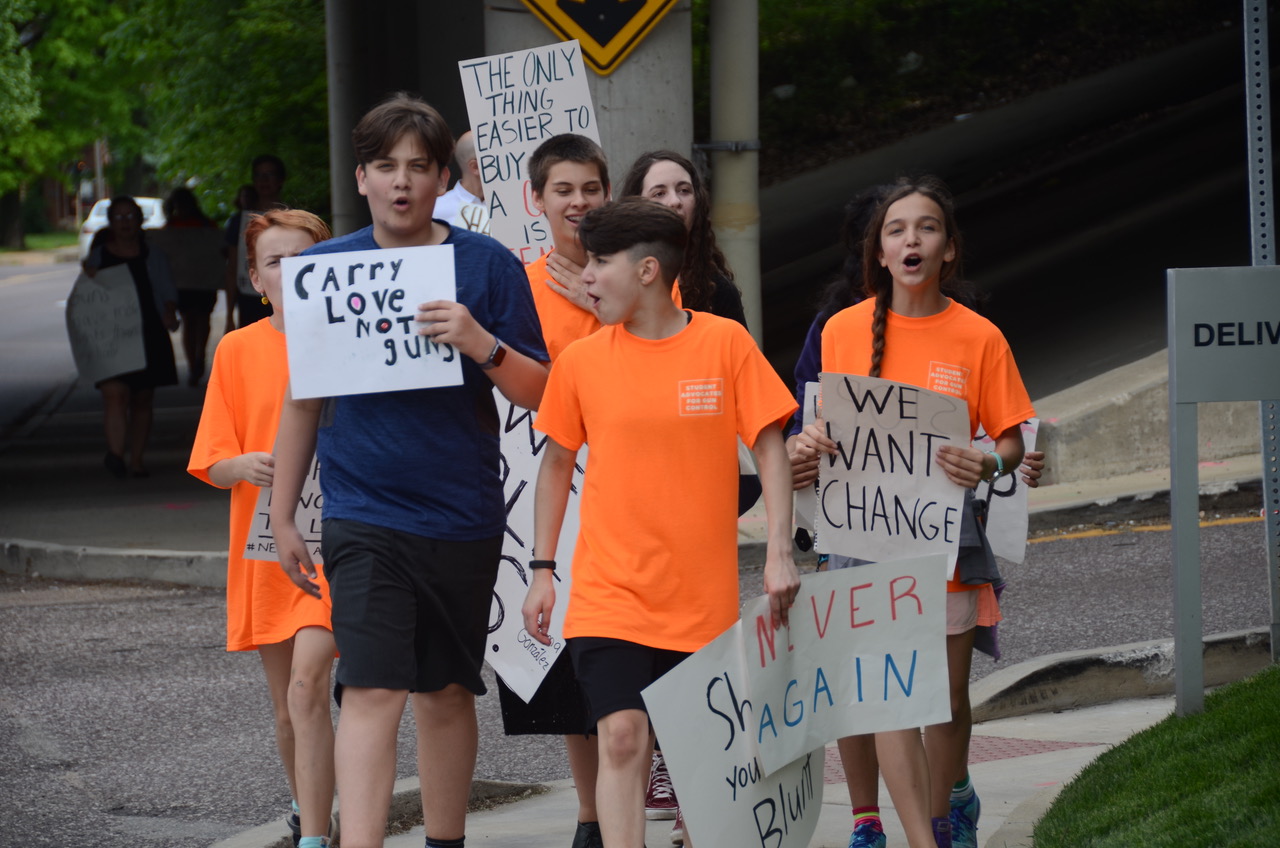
(1118,423)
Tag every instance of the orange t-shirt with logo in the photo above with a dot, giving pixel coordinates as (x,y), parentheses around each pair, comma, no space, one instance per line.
(241,414)
(955,352)
(656,561)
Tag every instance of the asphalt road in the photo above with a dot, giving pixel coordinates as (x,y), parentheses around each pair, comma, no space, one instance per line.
(123,722)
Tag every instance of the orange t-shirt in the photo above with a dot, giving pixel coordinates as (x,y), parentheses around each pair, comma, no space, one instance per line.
(241,414)
(656,561)
(955,352)
(563,321)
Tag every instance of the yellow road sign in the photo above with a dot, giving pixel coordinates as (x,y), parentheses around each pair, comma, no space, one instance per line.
(608,30)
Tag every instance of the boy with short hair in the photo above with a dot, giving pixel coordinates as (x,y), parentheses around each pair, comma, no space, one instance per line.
(662,394)
(413,505)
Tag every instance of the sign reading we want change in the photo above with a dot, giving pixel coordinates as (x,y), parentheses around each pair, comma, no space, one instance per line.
(882,495)
(351,321)
(516,101)
(744,720)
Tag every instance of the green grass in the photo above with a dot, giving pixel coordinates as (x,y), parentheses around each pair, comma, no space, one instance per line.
(47,241)
(1211,779)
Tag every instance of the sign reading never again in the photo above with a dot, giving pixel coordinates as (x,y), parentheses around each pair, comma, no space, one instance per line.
(607,29)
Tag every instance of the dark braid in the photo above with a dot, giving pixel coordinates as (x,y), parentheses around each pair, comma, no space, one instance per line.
(878,322)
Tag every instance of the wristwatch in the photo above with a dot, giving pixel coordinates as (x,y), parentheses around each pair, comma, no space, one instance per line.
(496,355)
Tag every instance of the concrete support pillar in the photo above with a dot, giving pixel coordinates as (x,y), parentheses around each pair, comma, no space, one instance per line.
(350,212)
(646,104)
(735,157)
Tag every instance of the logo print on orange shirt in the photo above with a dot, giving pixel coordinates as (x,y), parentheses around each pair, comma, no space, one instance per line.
(702,397)
(948,379)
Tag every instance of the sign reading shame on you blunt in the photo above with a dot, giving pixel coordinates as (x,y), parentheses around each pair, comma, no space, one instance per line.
(882,495)
(351,321)
(744,720)
(516,101)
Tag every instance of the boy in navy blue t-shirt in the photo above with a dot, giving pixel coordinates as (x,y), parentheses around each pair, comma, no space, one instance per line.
(413,506)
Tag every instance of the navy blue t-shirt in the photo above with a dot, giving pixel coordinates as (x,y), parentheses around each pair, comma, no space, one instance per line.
(426,461)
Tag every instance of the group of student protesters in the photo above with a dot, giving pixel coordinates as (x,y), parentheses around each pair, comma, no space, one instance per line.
(598,335)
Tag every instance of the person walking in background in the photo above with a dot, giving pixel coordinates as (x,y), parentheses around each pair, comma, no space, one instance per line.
(128,398)
(468,189)
(266,612)
(193,245)
(268,180)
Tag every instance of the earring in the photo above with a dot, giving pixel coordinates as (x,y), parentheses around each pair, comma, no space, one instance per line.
(265,302)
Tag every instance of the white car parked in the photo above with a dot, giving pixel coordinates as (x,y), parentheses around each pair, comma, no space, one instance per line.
(152,219)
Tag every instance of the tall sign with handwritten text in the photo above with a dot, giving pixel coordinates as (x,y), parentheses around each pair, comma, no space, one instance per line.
(516,101)
(882,494)
(351,321)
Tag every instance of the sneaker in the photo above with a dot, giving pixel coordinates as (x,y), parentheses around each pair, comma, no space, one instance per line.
(295,827)
(677,832)
(942,833)
(964,822)
(588,836)
(867,835)
(660,800)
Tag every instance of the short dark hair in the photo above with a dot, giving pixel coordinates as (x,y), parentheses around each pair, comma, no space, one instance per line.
(566,147)
(639,227)
(269,159)
(401,113)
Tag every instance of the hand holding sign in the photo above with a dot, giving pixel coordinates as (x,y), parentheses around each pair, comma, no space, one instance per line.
(447,322)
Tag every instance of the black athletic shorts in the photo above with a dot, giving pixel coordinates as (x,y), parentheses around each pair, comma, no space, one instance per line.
(612,672)
(408,612)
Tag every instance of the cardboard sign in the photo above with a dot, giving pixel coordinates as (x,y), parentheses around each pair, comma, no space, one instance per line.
(726,796)
(104,324)
(194,254)
(473,217)
(351,321)
(260,545)
(516,101)
(743,721)
(521,660)
(882,495)
(1007,511)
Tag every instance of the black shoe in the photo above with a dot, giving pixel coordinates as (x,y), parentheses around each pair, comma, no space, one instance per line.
(295,827)
(115,464)
(588,836)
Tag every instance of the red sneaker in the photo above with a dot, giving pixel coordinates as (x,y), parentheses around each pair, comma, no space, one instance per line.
(660,801)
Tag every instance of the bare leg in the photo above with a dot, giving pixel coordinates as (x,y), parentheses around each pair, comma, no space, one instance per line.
(447,742)
(275,663)
(861,769)
(115,414)
(313,651)
(906,774)
(584,764)
(140,415)
(195,341)
(365,761)
(947,744)
(626,750)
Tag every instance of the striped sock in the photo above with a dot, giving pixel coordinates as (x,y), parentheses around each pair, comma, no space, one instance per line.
(866,814)
(963,790)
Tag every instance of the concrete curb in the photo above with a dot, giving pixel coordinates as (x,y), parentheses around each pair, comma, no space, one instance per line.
(1076,679)
(72,562)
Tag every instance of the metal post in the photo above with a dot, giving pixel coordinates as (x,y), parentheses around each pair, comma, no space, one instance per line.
(1258,94)
(735,146)
(349,211)
(1184,509)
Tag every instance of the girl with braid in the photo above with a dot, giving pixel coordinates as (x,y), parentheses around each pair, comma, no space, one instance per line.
(910,331)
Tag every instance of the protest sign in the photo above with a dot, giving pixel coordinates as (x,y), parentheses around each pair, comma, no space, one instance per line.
(1007,507)
(517,657)
(516,101)
(261,545)
(351,321)
(104,324)
(882,494)
(743,721)
(473,217)
(727,798)
(194,254)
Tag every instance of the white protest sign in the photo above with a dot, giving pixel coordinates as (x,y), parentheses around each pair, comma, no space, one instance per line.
(260,545)
(516,101)
(350,319)
(807,498)
(1007,508)
(194,254)
(521,660)
(882,495)
(473,217)
(865,651)
(700,713)
(104,324)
